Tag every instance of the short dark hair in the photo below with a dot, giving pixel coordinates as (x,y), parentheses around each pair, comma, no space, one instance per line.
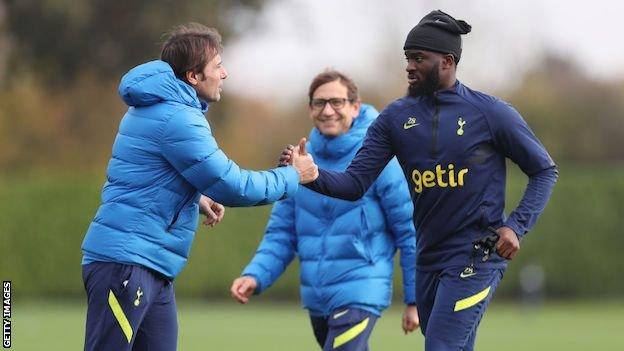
(190,47)
(330,75)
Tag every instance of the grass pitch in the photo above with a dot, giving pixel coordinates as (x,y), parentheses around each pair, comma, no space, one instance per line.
(272,326)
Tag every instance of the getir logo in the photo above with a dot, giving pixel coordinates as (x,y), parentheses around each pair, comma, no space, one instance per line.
(440,177)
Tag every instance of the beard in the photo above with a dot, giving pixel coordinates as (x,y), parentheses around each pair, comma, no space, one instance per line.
(429,85)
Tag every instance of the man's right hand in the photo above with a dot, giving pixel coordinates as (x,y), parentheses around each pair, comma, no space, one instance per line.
(303,163)
(242,288)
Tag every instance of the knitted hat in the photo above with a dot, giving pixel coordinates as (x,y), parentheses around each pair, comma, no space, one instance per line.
(438,32)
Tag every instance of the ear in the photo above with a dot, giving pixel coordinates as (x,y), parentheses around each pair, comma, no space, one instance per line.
(192,78)
(356,108)
(310,113)
(448,61)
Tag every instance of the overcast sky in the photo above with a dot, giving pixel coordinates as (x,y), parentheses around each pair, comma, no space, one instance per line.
(292,40)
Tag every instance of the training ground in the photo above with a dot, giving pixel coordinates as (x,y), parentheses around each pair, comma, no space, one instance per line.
(265,325)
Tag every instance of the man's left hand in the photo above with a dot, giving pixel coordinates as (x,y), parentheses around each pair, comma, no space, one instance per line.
(285,158)
(213,211)
(508,243)
(410,321)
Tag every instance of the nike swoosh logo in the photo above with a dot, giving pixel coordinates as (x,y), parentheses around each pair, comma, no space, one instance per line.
(466,275)
(340,314)
(408,126)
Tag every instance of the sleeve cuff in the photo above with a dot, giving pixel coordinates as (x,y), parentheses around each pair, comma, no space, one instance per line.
(258,289)
(511,223)
(410,297)
(292,179)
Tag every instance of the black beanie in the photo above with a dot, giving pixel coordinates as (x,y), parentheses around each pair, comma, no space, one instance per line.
(438,32)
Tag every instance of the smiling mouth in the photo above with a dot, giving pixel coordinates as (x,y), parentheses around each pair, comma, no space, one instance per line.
(412,79)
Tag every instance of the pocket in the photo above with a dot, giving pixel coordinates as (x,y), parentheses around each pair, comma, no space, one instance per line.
(185,218)
(120,279)
(182,211)
(173,220)
(340,317)
(363,236)
(166,205)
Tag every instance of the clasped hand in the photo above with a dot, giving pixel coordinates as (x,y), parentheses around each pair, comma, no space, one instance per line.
(298,157)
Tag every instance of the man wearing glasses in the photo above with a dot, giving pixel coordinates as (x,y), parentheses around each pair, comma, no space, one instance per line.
(346,249)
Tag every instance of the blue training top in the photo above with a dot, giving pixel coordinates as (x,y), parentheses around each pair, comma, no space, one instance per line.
(452,147)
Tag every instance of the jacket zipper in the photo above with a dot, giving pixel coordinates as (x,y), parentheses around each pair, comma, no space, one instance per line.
(177,214)
(363,236)
(318,288)
(174,220)
(434,131)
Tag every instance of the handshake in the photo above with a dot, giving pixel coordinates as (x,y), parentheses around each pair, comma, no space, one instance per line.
(298,157)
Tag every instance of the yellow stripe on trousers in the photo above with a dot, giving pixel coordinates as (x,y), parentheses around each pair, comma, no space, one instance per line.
(472,300)
(350,334)
(119,314)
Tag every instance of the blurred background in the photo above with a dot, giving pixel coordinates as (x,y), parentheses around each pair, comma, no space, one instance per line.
(557,62)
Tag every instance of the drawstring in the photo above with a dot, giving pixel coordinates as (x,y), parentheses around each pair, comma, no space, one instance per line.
(486,244)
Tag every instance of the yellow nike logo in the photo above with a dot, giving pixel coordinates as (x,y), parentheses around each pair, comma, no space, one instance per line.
(411,122)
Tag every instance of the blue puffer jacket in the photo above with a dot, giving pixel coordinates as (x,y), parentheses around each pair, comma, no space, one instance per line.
(346,249)
(164,155)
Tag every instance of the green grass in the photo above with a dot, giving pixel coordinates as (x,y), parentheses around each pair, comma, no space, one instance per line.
(271,326)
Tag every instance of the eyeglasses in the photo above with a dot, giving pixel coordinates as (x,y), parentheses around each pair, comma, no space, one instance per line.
(336,103)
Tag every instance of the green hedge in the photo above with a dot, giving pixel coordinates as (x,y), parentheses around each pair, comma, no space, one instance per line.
(43,217)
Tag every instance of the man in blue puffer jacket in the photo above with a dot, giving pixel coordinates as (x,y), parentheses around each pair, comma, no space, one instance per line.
(164,157)
(346,249)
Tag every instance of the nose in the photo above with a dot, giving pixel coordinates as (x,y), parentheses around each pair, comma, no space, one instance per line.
(224,73)
(411,66)
(327,109)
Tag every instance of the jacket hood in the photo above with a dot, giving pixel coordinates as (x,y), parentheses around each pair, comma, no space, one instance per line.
(154,82)
(337,147)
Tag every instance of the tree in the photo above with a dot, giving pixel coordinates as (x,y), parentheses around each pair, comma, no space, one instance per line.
(578,118)
(58,39)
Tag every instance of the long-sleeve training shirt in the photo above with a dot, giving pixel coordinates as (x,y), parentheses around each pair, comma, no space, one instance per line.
(452,147)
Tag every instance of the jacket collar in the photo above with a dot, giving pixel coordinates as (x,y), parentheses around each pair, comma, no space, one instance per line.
(338,147)
(153,82)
